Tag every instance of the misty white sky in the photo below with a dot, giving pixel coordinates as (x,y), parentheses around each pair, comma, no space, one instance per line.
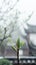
(28,6)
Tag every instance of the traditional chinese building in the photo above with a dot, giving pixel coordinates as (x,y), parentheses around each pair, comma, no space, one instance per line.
(31,38)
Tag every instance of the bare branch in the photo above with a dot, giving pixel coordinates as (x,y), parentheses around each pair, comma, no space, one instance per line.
(28,17)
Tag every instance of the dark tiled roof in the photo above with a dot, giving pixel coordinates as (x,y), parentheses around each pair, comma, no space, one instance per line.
(31,29)
(29,25)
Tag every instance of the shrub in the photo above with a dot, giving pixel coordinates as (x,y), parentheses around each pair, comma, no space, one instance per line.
(4,62)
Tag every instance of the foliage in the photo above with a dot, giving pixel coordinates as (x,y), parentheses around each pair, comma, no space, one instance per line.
(9,40)
(19,44)
(14,48)
(4,62)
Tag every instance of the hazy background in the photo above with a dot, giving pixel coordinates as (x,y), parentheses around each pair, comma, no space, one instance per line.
(26,7)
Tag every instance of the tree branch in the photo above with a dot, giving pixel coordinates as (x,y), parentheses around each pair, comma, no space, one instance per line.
(7,11)
(14,48)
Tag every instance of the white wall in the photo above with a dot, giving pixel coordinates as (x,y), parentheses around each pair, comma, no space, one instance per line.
(33,38)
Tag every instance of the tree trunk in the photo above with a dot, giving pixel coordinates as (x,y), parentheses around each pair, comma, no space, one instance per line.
(18,56)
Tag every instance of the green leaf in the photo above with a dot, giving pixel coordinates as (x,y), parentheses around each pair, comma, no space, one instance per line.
(21,44)
(18,43)
(14,48)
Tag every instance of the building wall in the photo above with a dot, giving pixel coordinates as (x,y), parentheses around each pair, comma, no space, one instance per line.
(33,38)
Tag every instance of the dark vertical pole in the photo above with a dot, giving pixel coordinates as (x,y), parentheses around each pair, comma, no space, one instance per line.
(17,56)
